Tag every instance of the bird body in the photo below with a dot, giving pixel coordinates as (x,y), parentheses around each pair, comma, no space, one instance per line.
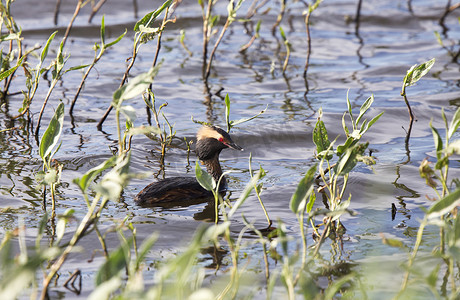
(211,140)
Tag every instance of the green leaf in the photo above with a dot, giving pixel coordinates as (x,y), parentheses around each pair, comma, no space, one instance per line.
(320,137)
(415,73)
(149,18)
(89,176)
(10,37)
(393,242)
(304,189)
(283,35)
(129,112)
(453,148)
(76,68)
(204,178)
(311,202)
(106,289)
(350,142)
(59,62)
(114,264)
(364,107)
(247,190)
(444,205)
(427,173)
(333,289)
(233,123)
(349,159)
(258,27)
(454,123)
(103,31)
(368,125)
(51,136)
(60,227)
(135,86)
(148,130)
(116,40)
(227,113)
(350,111)
(432,278)
(437,141)
(115,180)
(345,128)
(47,45)
(8,72)
(147,244)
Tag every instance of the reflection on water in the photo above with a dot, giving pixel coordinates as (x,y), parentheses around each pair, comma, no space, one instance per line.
(361,46)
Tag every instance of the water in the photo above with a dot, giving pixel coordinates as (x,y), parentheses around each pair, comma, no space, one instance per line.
(368,57)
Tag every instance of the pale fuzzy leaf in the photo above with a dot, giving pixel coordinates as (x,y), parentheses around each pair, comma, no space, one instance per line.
(129,112)
(202,294)
(364,107)
(144,130)
(89,176)
(453,148)
(51,136)
(204,178)
(416,72)
(444,205)
(304,188)
(454,123)
(106,289)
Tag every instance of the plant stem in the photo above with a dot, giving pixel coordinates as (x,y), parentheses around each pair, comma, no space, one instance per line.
(280,16)
(211,56)
(304,245)
(84,225)
(414,254)
(37,129)
(206,17)
(323,235)
(307,60)
(69,27)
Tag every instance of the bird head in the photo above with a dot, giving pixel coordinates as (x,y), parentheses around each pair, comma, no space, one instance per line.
(211,140)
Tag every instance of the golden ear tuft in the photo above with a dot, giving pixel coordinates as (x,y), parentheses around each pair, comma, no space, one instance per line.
(207,132)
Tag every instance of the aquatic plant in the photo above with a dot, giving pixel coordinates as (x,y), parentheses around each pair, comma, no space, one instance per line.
(414,74)
(144,32)
(102,47)
(347,156)
(443,213)
(47,149)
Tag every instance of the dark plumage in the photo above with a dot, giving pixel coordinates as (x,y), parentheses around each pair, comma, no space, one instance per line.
(211,140)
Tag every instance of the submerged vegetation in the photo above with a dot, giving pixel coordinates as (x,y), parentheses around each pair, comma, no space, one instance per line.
(285,265)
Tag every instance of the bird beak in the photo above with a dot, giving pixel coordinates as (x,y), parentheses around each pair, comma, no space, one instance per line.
(234,146)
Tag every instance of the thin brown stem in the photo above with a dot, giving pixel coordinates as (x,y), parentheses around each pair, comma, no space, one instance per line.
(280,16)
(123,80)
(37,129)
(307,61)
(206,17)
(80,87)
(323,236)
(56,11)
(69,27)
(90,217)
(95,9)
(213,52)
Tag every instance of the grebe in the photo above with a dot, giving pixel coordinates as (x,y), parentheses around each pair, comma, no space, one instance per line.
(211,140)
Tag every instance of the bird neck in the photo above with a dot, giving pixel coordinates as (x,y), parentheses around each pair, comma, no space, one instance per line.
(213,167)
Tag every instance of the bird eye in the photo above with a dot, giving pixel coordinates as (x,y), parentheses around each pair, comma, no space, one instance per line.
(221,139)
